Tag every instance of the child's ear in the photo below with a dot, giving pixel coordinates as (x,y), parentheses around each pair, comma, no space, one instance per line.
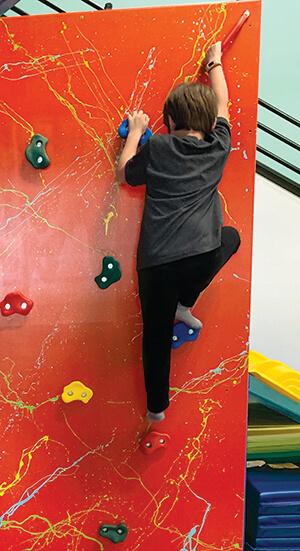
(171,123)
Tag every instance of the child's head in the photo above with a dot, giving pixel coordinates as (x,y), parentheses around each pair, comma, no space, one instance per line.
(191,107)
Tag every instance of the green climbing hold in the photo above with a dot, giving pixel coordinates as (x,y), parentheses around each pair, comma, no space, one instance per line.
(36,153)
(111,272)
(114,532)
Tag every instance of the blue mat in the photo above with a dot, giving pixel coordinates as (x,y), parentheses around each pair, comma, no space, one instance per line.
(281,544)
(269,490)
(280,526)
(272,509)
(283,508)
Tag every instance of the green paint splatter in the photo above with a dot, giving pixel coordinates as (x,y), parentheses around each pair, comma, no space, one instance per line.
(18,403)
(217,370)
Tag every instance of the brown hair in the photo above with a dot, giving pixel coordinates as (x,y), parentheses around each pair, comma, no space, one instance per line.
(191,107)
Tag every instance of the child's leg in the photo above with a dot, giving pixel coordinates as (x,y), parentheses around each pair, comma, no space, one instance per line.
(159,297)
(201,269)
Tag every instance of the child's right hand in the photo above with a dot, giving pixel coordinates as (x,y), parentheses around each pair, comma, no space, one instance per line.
(213,54)
(138,122)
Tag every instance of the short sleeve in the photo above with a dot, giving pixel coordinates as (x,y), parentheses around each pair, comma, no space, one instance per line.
(136,168)
(222,132)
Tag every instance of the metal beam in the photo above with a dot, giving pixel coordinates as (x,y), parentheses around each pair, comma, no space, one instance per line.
(278,160)
(278,112)
(277,178)
(19,11)
(52,6)
(108,5)
(92,4)
(278,136)
(7,5)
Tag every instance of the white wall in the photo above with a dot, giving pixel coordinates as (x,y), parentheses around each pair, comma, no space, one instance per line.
(275,305)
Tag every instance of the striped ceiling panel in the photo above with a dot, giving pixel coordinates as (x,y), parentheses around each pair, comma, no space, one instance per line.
(38,7)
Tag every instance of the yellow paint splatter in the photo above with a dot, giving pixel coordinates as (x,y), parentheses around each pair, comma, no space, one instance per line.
(226,207)
(16,117)
(24,465)
(107,219)
(44,532)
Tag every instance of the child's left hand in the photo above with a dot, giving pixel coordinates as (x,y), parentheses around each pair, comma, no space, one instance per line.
(138,122)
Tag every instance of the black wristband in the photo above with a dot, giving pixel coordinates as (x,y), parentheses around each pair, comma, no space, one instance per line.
(211,65)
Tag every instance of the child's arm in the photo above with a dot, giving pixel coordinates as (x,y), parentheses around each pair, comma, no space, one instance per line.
(138,123)
(213,65)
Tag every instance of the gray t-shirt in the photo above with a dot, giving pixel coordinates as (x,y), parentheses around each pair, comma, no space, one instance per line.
(182,212)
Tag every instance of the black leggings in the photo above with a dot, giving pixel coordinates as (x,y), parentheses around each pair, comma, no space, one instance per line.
(161,288)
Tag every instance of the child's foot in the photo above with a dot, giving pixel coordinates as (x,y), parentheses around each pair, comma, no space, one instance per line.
(155,417)
(183,313)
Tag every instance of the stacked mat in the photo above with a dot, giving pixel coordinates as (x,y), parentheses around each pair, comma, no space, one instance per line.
(273,510)
(272,437)
(273,494)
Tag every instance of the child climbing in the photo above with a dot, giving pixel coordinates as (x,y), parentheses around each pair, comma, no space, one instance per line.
(182,244)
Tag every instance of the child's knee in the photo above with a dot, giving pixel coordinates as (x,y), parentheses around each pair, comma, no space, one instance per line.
(232,236)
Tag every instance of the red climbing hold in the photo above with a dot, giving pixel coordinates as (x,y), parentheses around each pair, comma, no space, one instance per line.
(15,303)
(154,441)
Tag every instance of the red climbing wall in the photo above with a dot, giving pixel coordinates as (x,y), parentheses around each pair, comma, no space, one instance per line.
(66,468)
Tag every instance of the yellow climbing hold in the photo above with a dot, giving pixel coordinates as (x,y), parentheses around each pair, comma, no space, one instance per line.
(76,391)
(276,375)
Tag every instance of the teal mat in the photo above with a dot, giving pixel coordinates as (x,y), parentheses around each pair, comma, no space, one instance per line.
(273,399)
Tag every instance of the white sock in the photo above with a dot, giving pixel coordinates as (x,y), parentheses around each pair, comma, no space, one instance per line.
(155,417)
(183,313)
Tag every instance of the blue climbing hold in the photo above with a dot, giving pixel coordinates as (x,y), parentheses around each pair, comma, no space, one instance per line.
(183,333)
(123,132)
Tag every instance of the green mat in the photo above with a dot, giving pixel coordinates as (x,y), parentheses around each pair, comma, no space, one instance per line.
(272,436)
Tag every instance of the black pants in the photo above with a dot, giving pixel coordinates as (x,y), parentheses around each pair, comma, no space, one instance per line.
(161,288)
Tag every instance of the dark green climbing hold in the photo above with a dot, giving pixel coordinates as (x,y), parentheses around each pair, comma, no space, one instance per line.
(114,532)
(111,272)
(36,153)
